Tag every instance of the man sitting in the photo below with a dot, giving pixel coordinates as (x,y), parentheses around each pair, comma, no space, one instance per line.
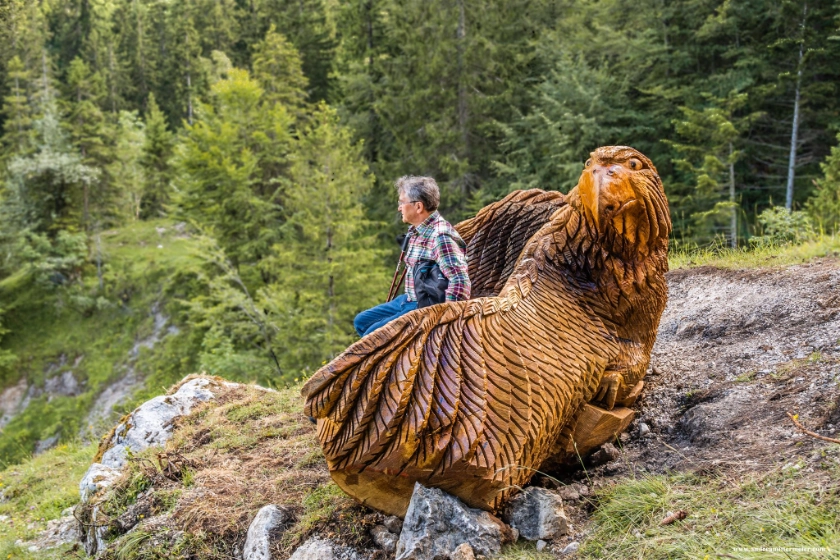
(431,238)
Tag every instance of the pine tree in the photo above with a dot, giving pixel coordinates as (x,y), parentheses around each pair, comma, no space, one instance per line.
(711,141)
(229,165)
(277,67)
(46,188)
(16,111)
(325,266)
(92,134)
(157,150)
(126,169)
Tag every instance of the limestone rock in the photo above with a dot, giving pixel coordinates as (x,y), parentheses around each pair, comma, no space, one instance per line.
(436,523)
(541,544)
(59,531)
(97,477)
(267,523)
(385,539)
(570,548)
(573,492)
(323,549)
(538,514)
(151,423)
(463,552)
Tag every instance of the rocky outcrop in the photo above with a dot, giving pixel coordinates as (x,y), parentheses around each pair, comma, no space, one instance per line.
(436,524)
(150,424)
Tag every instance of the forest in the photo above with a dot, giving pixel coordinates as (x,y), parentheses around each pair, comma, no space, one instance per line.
(271,131)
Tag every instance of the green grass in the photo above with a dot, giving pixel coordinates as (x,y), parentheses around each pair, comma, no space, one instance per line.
(747,257)
(38,490)
(790,509)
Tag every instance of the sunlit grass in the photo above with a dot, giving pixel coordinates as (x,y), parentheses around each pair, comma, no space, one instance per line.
(38,490)
(749,257)
(727,517)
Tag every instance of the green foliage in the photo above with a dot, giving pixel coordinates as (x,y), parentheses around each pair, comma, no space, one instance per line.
(48,188)
(16,111)
(230,162)
(824,206)
(157,149)
(781,227)
(277,67)
(326,267)
(128,168)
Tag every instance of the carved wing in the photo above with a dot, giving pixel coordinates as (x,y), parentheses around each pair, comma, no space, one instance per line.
(497,234)
(477,389)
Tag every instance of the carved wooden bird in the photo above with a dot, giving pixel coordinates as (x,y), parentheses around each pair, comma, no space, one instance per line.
(473,396)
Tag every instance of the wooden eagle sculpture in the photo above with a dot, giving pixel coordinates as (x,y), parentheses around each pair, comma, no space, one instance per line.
(473,397)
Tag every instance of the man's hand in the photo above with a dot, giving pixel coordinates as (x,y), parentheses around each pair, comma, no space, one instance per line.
(607,393)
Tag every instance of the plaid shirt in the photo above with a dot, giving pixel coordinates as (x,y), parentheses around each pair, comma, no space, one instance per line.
(436,240)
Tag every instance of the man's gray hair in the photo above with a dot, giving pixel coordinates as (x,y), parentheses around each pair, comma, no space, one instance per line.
(423,189)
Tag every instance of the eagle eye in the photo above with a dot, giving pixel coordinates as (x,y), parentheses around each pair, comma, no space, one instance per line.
(588,162)
(634,164)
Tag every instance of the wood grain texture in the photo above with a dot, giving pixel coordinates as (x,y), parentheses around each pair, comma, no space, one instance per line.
(472,397)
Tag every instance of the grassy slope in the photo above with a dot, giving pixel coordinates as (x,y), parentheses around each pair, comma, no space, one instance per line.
(137,274)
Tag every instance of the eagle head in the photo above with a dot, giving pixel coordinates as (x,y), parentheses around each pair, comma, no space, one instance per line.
(621,194)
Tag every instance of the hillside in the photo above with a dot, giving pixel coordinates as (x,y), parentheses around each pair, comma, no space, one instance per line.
(737,349)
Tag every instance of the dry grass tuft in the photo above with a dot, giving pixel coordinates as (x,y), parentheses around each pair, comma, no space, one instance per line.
(247,448)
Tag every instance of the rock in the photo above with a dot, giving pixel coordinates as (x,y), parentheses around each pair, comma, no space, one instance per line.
(322,549)
(538,514)
(436,523)
(573,492)
(64,385)
(393,524)
(605,454)
(58,532)
(643,429)
(151,423)
(541,544)
(570,548)
(268,522)
(46,444)
(97,477)
(384,539)
(463,552)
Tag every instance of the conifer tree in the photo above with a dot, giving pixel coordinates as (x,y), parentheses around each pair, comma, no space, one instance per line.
(157,150)
(92,134)
(230,162)
(126,169)
(326,267)
(277,67)
(16,111)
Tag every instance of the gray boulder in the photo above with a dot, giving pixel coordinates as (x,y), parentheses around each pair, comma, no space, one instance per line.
(538,514)
(436,523)
(324,549)
(266,526)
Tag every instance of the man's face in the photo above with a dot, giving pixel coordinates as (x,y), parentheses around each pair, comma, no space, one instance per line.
(412,210)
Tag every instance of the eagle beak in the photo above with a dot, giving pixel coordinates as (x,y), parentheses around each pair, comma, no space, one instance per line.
(589,195)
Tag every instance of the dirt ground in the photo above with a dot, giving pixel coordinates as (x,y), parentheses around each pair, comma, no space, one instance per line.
(736,351)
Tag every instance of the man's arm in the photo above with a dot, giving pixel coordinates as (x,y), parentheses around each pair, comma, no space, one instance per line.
(452,261)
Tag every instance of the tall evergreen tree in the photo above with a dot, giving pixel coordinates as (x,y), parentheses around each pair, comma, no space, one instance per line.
(127,168)
(326,267)
(277,67)
(229,165)
(16,111)
(157,151)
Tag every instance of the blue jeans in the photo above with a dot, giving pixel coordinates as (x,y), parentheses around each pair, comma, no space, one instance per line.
(373,318)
